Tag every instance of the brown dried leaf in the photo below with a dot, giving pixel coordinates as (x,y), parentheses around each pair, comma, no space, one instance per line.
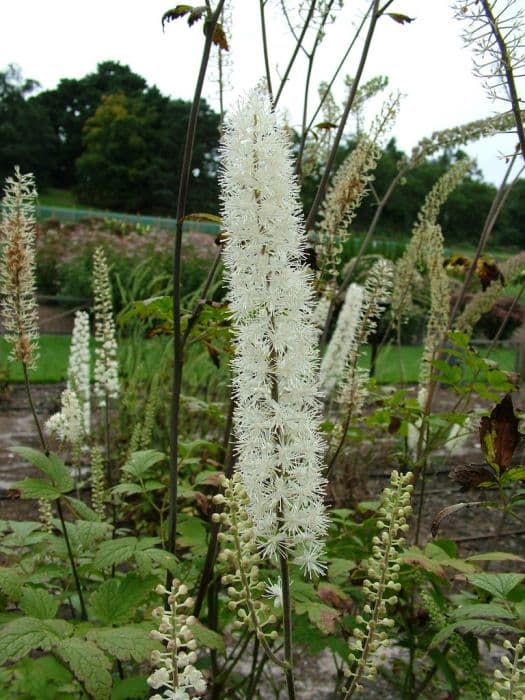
(499,435)
(325,125)
(196,14)
(488,272)
(175,13)
(399,18)
(445,512)
(471,475)
(394,425)
(219,37)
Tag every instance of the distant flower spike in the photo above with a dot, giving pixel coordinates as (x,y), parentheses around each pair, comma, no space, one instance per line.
(19,311)
(106,365)
(79,368)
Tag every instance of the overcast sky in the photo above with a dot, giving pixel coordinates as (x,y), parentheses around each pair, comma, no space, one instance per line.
(425,60)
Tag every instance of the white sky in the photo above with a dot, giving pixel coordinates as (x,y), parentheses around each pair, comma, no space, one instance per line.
(425,60)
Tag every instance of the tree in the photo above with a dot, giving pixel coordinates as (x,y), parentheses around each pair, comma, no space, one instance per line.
(26,134)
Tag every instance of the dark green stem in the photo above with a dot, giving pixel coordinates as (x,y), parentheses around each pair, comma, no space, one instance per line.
(211,22)
(287,627)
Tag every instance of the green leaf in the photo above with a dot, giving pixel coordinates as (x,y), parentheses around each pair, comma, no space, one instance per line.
(475,627)
(203,216)
(340,568)
(207,637)
(498,585)
(89,664)
(132,688)
(37,602)
(20,637)
(52,466)
(141,462)
(126,642)
(116,600)
(88,533)
(11,583)
(482,610)
(494,556)
(114,552)
(192,534)
(513,474)
(81,510)
(37,488)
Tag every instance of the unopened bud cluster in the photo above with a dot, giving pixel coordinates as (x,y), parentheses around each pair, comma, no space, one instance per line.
(176,674)
(509,682)
(381,585)
(239,553)
(106,365)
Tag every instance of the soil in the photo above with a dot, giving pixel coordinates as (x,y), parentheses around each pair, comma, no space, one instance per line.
(474,529)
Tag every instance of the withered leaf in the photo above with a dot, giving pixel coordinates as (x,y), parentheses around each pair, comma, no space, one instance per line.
(488,272)
(325,125)
(196,14)
(399,18)
(499,435)
(394,425)
(445,512)
(471,475)
(460,262)
(219,37)
(213,354)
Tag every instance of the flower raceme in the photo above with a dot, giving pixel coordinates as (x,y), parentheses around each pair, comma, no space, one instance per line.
(275,365)
(106,365)
(18,308)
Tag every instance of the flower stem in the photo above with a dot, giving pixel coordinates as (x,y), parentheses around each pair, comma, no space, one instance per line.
(287,626)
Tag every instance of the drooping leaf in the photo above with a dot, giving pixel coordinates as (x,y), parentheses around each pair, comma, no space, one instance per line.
(196,14)
(219,37)
(37,602)
(494,556)
(19,637)
(80,509)
(51,465)
(204,216)
(125,642)
(498,585)
(89,664)
(449,510)
(482,610)
(499,434)
(175,13)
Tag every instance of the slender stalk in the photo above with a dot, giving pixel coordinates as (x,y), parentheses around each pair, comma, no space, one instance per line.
(319,195)
(506,63)
(58,502)
(298,45)
(262,3)
(177,257)
(202,299)
(287,627)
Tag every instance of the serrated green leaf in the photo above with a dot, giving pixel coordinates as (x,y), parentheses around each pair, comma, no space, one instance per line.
(88,533)
(51,465)
(11,583)
(80,509)
(498,585)
(89,664)
(481,610)
(114,552)
(192,534)
(116,600)
(19,637)
(207,637)
(133,688)
(126,642)
(340,568)
(37,602)
(494,556)
(37,488)
(141,462)
(475,627)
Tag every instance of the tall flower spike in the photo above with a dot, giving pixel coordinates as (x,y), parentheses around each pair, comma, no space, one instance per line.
(19,312)
(275,366)
(509,683)
(79,368)
(106,366)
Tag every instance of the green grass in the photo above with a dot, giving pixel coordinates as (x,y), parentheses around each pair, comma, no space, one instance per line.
(394,365)
(53,197)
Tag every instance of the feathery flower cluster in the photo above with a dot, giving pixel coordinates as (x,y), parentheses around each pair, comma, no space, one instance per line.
(342,341)
(349,187)
(320,313)
(439,303)
(479,304)
(176,674)
(106,366)
(376,294)
(18,307)
(421,240)
(98,482)
(79,368)
(275,366)
(509,684)
(459,135)
(239,552)
(68,424)
(383,573)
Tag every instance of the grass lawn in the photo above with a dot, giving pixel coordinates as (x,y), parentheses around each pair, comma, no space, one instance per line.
(53,197)
(394,365)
